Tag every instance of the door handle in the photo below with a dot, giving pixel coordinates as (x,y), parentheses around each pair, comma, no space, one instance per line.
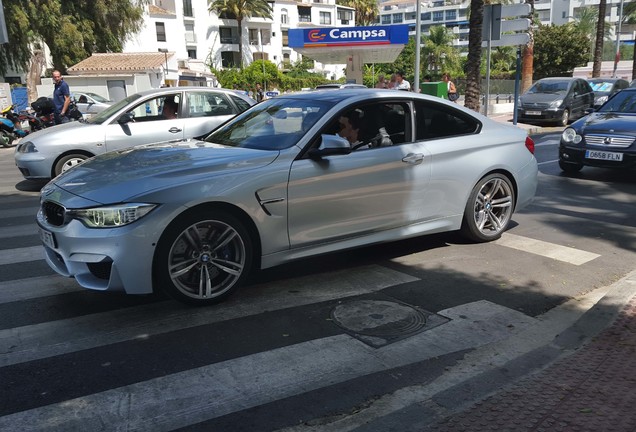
(174,130)
(413,158)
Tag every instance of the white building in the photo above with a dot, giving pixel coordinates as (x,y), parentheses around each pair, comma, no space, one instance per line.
(201,39)
(453,14)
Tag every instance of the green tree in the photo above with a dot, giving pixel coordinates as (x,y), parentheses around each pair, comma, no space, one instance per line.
(240,10)
(72,29)
(366,10)
(438,53)
(559,49)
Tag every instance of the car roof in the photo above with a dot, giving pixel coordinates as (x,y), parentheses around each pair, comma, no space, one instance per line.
(162,90)
(606,79)
(560,79)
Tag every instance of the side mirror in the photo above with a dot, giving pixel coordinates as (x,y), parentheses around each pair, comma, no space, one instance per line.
(331,145)
(126,118)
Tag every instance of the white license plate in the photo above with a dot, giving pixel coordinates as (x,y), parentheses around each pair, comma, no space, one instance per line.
(47,238)
(603,155)
(533,113)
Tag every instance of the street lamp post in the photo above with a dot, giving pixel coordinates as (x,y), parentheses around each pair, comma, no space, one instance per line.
(618,39)
(165,71)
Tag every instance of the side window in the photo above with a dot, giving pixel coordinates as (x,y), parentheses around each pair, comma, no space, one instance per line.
(153,109)
(206,104)
(374,125)
(240,103)
(438,121)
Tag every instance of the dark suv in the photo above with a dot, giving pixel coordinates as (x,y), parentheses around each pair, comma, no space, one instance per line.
(555,100)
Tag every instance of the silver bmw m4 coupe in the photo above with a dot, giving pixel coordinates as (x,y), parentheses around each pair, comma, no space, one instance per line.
(294,176)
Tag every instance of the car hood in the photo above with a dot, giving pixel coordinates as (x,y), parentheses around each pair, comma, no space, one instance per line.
(58,130)
(121,175)
(540,97)
(604,122)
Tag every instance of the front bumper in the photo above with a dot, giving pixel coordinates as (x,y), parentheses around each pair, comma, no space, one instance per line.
(576,155)
(33,165)
(545,116)
(112,259)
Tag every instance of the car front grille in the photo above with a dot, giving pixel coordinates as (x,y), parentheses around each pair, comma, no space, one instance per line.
(53,213)
(616,141)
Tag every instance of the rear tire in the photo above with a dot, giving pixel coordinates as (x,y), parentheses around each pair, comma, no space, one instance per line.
(203,257)
(489,208)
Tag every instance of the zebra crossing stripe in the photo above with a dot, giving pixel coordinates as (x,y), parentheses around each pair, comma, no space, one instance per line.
(545,249)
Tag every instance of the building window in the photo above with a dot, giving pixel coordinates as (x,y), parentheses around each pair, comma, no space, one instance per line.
(410,16)
(161,32)
(187,8)
(253,36)
(226,35)
(229,59)
(284,18)
(386,19)
(192,53)
(304,14)
(438,16)
(189,34)
(325,18)
(451,15)
(397,18)
(426,16)
(345,16)
(285,38)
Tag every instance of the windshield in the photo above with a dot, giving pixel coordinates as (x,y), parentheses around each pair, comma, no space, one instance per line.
(97,97)
(271,125)
(549,87)
(113,109)
(622,102)
(601,86)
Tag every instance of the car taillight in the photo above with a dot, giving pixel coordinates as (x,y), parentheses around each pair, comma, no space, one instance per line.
(530,144)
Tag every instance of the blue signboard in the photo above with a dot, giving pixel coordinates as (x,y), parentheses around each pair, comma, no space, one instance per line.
(348,36)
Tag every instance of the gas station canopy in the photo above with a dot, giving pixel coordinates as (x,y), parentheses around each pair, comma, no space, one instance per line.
(337,45)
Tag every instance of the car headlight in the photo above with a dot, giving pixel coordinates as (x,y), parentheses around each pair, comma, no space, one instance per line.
(570,136)
(111,216)
(600,100)
(27,147)
(557,103)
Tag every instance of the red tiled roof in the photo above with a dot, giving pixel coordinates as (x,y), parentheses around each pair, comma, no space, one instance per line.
(156,10)
(120,62)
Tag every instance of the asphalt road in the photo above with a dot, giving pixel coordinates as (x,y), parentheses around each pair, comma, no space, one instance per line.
(330,343)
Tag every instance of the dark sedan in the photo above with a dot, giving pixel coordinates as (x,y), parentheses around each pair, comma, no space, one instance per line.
(605,138)
(604,88)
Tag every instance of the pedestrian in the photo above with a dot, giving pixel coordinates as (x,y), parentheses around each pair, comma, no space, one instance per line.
(260,95)
(392,82)
(61,98)
(401,83)
(450,87)
(382,84)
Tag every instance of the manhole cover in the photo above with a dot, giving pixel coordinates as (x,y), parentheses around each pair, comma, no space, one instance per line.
(385,319)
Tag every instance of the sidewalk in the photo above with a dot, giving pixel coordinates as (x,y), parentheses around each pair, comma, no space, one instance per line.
(591,388)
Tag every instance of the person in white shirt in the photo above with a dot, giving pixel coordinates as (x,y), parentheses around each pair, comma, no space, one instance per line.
(401,83)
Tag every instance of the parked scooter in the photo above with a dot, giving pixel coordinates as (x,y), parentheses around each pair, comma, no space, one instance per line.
(44,113)
(11,126)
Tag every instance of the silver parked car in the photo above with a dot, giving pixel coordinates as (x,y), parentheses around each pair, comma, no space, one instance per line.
(278,183)
(90,104)
(137,119)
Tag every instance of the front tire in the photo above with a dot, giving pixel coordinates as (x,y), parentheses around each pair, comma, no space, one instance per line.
(570,167)
(565,118)
(68,162)
(203,257)
(489,208)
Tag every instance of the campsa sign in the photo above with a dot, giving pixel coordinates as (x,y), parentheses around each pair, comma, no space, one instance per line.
(348,36)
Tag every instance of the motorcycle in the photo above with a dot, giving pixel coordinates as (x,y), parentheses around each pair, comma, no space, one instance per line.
(45,113)
(11,126)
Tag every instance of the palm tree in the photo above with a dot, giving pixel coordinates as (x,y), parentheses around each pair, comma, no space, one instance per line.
(438,47)
(239,10)
(527,65)
(600,31)
(473,61)
(366,10)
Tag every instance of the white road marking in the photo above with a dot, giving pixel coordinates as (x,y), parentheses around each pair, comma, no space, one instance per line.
(20,255)
(18,230)
(52,338)
(31,288)
(545,249)
(211,391)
